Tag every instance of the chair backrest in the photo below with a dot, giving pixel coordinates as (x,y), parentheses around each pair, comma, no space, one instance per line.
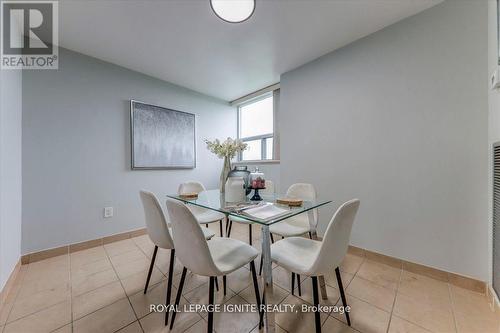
(269,188)
(156,223)
(190,245)
(304,191)
(190,187)
(336,238)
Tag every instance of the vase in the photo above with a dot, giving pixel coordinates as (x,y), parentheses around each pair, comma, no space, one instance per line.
(223,175)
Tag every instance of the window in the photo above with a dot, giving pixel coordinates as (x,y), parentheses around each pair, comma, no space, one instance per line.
(256,128)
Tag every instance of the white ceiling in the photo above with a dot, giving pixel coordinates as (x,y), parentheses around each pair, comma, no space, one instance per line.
(183,42)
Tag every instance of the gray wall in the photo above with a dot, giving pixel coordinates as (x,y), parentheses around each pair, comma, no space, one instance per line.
(494,116)
(10,171)
(399,120)
(76,149)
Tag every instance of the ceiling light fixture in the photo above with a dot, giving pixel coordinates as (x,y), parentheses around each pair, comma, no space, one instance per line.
(233,11)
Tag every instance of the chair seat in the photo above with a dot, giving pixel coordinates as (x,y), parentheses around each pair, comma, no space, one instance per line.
(230,254)
(293,226)
(208,216)
(239,220)
(296,254)
(207,232)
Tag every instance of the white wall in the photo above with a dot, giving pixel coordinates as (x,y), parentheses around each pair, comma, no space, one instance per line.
(10,171)
(76,149)
(399,119)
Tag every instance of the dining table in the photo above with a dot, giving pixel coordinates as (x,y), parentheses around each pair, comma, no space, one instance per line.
(215,200)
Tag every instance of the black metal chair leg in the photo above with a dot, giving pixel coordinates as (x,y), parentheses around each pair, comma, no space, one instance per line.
(250,234)
(261,322)
(211,302)
(293,283)
(310,235)
(206,225)
(220,225)
(342,295)
(272,238)
(261,263)
(298,284)
(224,282)
(178,297)
(216,284)
(317,318)
(151,266)
(169,282)
(256,288)
(230,226)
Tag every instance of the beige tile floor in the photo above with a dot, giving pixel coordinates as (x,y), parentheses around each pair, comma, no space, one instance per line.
(100,290)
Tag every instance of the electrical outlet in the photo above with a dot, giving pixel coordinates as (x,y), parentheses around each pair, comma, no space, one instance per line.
(108,212)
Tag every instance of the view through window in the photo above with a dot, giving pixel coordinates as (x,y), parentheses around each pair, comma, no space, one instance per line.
(256,124)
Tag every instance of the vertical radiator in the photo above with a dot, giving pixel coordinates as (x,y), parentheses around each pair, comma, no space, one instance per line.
(496,217)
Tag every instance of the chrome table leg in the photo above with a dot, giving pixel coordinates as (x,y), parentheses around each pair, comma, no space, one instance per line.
(267,278)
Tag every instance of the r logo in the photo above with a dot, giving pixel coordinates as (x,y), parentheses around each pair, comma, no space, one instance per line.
(28,28)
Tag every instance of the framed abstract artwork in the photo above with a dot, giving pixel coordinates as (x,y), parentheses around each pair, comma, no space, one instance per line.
(161,138)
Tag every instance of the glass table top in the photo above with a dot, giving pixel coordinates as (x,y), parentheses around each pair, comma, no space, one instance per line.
(214,200)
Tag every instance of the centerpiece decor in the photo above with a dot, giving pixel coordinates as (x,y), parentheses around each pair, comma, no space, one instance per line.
(226,150)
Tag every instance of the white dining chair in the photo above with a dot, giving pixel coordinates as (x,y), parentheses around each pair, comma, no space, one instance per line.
(160,235)
(203,215)
(269,190)
(297,225)
(315,258)
(218,257)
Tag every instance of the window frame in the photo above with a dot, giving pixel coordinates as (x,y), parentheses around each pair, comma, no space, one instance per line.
(263,137)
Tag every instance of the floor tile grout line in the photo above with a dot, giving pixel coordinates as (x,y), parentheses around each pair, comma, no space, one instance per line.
(94,311)
(415,324)
(395,297)
(195,323)
(397,292)
(395,315)
(93,261)
(33,313)
(8,314)
(132,323)
(150,288)
(226,301)
(149,257)
(93,290)
(375,306)
(124,291)
(375,283)
(452,307)
(62,327)
(15,299)
(70,292)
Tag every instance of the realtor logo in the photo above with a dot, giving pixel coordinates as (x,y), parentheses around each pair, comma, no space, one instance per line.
(29,34)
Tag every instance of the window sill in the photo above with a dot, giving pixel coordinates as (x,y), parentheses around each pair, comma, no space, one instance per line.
(253,162)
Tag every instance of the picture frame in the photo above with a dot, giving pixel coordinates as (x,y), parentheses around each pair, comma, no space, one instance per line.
(161,138)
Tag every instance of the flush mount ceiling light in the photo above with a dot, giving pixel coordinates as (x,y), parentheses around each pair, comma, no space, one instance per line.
(233,11)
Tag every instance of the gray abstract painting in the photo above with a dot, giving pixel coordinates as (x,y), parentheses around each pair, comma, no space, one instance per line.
(162,138)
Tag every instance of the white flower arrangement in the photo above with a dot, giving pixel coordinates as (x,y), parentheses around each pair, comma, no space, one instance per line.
(227,149)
